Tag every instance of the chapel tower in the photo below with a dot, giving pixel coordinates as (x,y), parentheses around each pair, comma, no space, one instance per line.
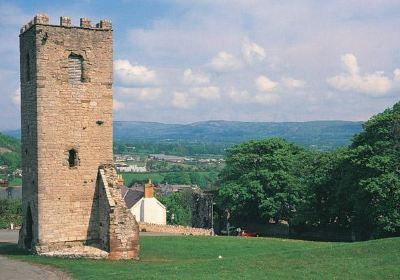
(66,132)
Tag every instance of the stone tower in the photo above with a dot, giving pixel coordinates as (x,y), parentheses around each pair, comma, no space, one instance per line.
(70,195)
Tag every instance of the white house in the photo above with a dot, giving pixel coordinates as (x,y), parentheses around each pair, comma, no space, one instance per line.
(132,168)
(144,206)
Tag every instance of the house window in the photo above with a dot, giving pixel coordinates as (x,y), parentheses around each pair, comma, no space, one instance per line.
(75,68)
(72,158)
(28,68)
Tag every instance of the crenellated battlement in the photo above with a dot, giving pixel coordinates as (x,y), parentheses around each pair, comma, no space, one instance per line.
(43,19)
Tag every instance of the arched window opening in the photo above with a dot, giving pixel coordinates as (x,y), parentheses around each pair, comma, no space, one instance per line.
(75,68)
(72,158)
(28,67)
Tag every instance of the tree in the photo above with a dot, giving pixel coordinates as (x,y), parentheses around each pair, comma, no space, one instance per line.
(181,178)
(198,179)
(10,212)
(179,206)
(261,180)
(327,202)
(375,163)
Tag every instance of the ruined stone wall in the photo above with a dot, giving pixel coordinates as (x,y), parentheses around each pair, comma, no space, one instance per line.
(174,229)
(119,231)
(105,204)
(59,115)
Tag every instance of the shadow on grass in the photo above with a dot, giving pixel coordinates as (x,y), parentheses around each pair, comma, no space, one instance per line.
(11,249)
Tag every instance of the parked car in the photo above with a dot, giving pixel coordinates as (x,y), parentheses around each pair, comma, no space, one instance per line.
(246,233)
(232,231)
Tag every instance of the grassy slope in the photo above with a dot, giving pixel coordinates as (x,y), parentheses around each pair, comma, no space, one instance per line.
(253,258)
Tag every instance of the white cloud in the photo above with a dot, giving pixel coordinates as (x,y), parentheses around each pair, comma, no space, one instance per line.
(134,75)
(182,100)
(265,84)
(266,98)
(350,64)
(142,94)
(239,96)
(210,93)
(117,105)
(396,74)
(16,98)
(191,78)
(373,84)
(224,62)
(291,83)
(252,53)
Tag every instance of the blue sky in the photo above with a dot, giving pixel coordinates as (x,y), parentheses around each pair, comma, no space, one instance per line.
(181,61)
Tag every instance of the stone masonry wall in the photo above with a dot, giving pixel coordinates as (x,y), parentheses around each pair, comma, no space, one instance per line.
(174,229)
(119,231)
(58,116)
(29,138)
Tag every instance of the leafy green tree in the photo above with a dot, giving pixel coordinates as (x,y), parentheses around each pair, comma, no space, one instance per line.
(10,212)
(179,206)
(181,178)
(261,180)
(198,179)
(375,165)
(327,202)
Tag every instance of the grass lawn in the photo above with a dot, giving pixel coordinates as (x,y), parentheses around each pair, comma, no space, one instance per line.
(242,258)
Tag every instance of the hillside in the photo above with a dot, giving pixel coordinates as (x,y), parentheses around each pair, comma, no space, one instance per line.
(324,135)
(10,150)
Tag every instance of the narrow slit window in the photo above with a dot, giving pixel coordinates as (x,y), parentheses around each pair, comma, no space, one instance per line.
(72,158)
(75,68)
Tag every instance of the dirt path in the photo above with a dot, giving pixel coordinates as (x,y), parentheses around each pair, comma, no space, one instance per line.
(16,270)
(11,269)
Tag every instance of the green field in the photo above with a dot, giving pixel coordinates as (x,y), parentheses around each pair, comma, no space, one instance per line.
(158,177)
(242,258)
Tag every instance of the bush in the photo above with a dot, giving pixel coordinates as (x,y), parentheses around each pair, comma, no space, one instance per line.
(10,212)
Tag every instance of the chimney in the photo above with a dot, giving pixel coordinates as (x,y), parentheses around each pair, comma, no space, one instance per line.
(148,189)
(120,181)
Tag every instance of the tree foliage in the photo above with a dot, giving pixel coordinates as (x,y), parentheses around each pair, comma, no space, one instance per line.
(260,180)
(374,159)
(10,212)
(179,206)
(355,188)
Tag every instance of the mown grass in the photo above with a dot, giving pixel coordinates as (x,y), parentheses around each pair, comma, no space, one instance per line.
(242,258)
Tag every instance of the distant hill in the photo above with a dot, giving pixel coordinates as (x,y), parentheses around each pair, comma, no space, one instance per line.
(10,152)
(9,144)
(324,135)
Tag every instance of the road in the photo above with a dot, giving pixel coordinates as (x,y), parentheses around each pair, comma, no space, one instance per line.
(11,269)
